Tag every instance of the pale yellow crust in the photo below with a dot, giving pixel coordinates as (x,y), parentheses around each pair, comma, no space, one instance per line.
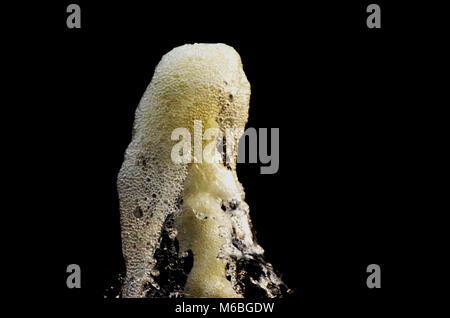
(202,82)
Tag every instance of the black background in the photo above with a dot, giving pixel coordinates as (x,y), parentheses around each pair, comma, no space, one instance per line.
(344,196)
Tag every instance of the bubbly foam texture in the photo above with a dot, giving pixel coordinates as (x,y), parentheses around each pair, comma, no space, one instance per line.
(192,82)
